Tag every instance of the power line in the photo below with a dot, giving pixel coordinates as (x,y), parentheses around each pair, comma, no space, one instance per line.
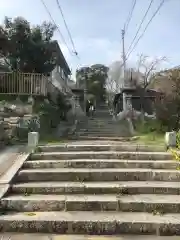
(126,24)
(140,25)
(62,37)
(129,17)
(72,42)
(161,4)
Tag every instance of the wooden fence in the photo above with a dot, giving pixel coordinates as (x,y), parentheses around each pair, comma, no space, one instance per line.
(23,84)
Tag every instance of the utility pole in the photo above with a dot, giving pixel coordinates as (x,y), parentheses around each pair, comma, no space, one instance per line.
(85,92)
(123,54)
(124,68)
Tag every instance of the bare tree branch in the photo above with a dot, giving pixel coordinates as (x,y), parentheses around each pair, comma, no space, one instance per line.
(148,67)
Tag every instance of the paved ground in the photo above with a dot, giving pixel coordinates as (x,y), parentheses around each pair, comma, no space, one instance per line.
(79,237)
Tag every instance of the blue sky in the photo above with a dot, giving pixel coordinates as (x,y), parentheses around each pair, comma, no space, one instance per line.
(96,26)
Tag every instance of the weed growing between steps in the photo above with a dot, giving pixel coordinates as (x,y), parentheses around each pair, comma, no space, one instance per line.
(123,191)
(28,192)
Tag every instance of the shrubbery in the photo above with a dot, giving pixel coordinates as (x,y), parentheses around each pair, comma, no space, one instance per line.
(51,113)
(168,113)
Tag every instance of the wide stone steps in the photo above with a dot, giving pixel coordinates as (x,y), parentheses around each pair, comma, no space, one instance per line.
(102,163)
(115,187)
(155,204)
(104,174)
(102,155)
(100,126)
(87,222)
(95,189)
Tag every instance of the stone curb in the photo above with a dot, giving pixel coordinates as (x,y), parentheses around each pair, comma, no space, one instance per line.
(14,164)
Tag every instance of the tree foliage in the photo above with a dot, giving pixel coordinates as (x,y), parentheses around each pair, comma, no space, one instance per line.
(168,107)
(27,48)
(94,79)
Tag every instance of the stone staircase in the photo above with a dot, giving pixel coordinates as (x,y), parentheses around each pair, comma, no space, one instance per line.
(102,125)
(95,188)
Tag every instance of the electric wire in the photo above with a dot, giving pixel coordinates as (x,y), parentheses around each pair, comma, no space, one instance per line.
(66,26)
(60,33)
(142,21)
(155,13)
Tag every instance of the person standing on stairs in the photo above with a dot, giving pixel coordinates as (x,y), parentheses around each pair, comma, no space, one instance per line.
(87,107)
(90,108)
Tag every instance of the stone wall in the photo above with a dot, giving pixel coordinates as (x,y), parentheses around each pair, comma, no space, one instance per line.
(11,114)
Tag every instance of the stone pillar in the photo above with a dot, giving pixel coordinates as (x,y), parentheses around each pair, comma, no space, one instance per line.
(170,139)
(77,101)
(124,101)
(33,139)
(129,101)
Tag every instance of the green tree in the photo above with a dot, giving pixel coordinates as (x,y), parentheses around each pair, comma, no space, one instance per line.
(25,48)
(94,79)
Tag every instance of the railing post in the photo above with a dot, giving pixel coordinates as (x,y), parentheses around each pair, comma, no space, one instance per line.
(31,84)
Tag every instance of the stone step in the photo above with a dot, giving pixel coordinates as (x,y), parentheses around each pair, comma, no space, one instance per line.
(104,127)
(104,130)
(101,223)
(95,123)
(98,130)
(102,163)
(106,174)
(127,187)
(109,126)
(95,138)
(100,124)
(41,236)
(102,114)
(97,119)
(102,155)
(156,204)
(103,121)
(100,147)
(101,134)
